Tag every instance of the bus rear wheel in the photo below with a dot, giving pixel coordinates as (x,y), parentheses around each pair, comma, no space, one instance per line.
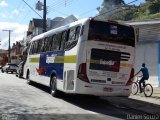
(53,87)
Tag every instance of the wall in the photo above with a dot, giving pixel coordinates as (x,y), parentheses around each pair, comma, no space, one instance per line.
(148,53)
(148,50)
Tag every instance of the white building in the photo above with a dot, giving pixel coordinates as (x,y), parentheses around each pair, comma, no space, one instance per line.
(148,48)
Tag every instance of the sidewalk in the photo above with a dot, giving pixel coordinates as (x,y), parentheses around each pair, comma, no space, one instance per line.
(150,105)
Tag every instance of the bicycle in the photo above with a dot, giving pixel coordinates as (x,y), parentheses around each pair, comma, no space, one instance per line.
(147,89)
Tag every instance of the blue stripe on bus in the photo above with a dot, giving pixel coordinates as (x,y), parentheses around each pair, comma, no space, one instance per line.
(50,66)
(159,63)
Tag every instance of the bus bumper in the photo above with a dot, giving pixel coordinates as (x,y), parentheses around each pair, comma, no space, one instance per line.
(103,90)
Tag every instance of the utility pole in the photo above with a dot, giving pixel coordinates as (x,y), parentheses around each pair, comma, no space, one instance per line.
(39,6)
(9,49)
(44,16)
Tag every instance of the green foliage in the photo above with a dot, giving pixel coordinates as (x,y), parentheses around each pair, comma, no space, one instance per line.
(151,16)
(105,11)
(127,14)
(148,10)
(154,7)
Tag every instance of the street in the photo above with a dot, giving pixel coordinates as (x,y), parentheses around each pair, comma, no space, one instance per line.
(20,101)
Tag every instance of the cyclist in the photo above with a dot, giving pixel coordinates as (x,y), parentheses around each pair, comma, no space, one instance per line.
(145,76)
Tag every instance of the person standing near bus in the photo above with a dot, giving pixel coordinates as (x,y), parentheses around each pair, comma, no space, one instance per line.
(145,76)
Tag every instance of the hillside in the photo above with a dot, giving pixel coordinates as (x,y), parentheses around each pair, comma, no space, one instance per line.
(148,10)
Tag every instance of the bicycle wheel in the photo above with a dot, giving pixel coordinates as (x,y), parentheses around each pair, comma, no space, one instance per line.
(148,90)
(134,88)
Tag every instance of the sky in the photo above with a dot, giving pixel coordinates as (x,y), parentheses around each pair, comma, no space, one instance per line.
(15,15)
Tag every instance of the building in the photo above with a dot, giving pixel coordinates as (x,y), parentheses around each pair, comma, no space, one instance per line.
(36,25)
(148,48)
(62,21)
(16,52)
(3,57)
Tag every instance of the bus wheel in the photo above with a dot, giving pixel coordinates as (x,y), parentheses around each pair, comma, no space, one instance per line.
(28,78)
(53,87)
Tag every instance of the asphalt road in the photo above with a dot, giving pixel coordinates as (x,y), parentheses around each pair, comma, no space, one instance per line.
(20,101)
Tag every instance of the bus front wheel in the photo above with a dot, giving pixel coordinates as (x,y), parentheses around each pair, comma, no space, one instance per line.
(28,78)
(53,87)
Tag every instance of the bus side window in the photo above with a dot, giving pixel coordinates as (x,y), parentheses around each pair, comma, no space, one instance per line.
(53,47)
(40,45)
(73,38)
(50,43)
(46,44)
(58,41)
(31,49)
(43,45)
(72,34)
(82,30)
(77,33)
(36,47)
(63,39)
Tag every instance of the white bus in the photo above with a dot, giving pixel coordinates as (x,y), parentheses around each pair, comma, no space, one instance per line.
(85,57)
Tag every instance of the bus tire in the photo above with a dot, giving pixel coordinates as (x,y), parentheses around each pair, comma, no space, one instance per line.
(19,75)
(53,87)
(28,78)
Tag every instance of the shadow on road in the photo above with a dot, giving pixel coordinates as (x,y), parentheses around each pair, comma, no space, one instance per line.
(42,87)
(93,104)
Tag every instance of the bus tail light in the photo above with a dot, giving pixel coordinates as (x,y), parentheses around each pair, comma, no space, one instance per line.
(131,77)
(82,73)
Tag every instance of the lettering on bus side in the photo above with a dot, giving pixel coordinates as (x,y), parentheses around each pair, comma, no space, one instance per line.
(50,59)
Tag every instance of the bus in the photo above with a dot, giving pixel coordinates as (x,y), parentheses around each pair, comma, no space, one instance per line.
(88,56)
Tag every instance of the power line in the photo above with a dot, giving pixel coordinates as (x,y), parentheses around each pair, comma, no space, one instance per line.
(115,9)
(18,6)
(57,4)
(59,12)
(25,16)
(60,5)
(144,5)
(32,9)
(21,10)
(82,14)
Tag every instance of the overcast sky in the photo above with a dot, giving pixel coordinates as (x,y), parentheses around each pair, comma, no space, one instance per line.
(15,14)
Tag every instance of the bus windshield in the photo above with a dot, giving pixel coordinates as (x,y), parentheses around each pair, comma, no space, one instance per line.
(111,32)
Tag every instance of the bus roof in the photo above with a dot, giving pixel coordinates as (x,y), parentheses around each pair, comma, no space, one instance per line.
(59,29)
(81,21)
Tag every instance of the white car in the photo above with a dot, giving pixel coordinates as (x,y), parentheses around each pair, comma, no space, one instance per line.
(9,67)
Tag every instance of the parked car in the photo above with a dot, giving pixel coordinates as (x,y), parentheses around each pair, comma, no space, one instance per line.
(20,69)
(9,67)
(0,66)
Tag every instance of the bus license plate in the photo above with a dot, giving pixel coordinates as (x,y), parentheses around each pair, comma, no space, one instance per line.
(106,89)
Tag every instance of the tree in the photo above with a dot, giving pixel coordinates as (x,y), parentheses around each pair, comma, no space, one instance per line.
(109,7)
(154,6)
